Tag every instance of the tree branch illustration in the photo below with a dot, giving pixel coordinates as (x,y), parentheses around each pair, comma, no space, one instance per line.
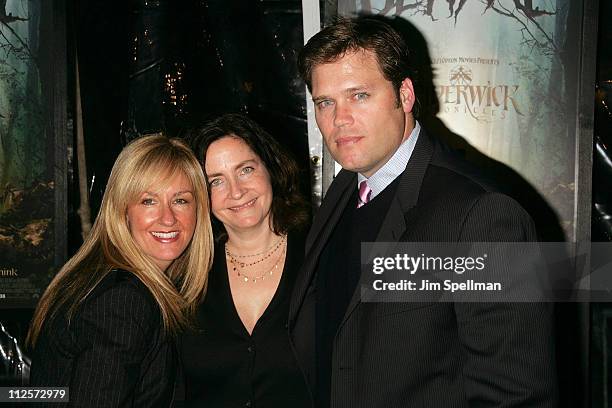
(521,11)
(18,37)
(10,18)
(424,7)
(5,21)
(451,4)
(530,14)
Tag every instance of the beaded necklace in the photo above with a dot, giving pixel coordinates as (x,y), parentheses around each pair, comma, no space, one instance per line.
(268,253)
(237,265)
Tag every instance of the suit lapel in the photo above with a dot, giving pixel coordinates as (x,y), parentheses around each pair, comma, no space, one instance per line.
(407,194)
(406,197)
(326,219)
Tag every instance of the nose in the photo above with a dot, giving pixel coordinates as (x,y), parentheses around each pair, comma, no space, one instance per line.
(167,216)
(343,115)
(236,189)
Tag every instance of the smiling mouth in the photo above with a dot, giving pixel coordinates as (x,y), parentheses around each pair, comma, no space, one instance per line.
(165,235)
(243,206)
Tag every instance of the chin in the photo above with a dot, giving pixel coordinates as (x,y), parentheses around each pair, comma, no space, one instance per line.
(351,167)
(168,258)
(350,163)
(246,224)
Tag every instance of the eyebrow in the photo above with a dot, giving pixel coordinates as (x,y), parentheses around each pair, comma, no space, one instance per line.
(242,163)
(183,192)
(346,91)
(174,195)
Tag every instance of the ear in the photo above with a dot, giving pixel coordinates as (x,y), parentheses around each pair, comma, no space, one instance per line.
(407,96)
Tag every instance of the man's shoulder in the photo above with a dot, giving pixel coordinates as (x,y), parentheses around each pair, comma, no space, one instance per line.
(452,181)
(449,170)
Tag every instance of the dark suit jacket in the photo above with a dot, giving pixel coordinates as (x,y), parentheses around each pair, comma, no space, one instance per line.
(430,354)
(113,353)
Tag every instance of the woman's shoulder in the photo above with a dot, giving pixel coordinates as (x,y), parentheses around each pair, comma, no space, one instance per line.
(297,237)
(119,282)
(295,247)
(120,295)
(119,309)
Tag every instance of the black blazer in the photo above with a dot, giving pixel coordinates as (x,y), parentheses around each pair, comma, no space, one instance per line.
(430,354)
(113,353)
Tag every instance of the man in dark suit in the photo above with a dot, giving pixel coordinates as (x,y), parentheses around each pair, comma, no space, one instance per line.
(399,185)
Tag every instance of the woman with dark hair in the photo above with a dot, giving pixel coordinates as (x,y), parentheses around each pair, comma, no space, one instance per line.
(239,355)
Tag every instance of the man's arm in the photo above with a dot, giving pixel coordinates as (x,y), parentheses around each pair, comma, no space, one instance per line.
(508,347)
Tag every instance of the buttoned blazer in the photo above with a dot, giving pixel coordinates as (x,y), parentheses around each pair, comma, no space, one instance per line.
(430,354)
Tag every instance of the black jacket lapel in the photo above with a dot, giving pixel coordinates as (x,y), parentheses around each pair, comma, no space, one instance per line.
(406,197)
(326,219)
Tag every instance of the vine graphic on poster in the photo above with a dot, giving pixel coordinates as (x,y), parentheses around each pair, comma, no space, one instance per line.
(26,161)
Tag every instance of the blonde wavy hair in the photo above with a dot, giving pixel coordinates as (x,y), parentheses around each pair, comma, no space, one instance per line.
(149,161)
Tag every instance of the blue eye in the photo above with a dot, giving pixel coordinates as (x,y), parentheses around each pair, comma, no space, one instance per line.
(361,96)
(181,201)
(324,103)
(148,201)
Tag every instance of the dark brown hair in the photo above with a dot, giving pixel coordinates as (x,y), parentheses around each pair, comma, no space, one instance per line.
(365,33)
(289,208)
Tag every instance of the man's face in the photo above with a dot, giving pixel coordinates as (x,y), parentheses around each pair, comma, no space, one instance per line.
(357,111)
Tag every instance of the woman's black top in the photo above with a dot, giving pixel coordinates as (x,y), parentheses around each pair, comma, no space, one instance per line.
(226,367)
(113,353)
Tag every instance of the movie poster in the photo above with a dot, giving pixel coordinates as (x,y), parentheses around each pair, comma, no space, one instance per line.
(505,77)
(26,160)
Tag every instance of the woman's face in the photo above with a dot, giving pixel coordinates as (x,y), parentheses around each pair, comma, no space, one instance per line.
(240,189)
(163,220)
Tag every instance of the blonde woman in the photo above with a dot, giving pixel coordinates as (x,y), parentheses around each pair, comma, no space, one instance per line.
(105,325)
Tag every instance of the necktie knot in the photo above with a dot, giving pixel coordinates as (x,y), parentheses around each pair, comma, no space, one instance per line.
(364,193)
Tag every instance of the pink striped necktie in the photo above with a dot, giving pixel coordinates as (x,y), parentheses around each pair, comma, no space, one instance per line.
(364,193)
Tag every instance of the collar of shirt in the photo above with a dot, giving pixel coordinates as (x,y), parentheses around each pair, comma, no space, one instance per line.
(394,167)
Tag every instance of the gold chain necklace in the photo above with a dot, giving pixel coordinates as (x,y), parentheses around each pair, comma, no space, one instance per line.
(268,254)
(275,246)
(237,264)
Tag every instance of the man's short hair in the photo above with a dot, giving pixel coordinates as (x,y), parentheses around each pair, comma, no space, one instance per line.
(348,35)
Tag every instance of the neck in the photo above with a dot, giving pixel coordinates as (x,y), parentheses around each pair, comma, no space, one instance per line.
(251,241)
(409,125)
